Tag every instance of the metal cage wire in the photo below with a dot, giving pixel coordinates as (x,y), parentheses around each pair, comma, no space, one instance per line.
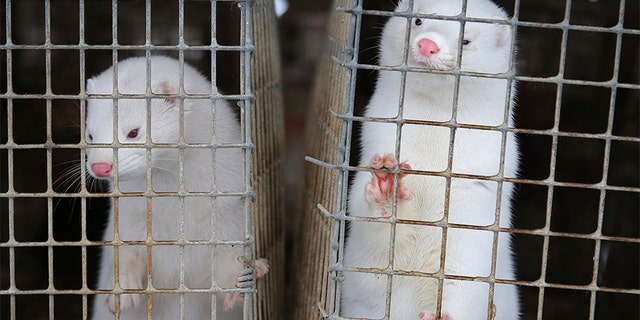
(245,101)
(334,206)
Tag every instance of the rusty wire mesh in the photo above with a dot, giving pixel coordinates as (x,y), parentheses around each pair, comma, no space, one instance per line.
(50,232)
(576,207)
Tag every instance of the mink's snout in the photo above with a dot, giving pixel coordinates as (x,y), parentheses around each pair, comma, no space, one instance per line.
(428,47)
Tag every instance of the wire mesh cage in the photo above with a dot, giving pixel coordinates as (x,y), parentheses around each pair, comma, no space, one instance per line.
(53,214)
(575,226)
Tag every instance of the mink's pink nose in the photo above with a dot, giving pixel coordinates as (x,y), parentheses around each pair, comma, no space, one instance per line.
(101,169)
(427,47)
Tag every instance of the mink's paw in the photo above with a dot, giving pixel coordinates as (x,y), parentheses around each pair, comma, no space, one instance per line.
(427,316)
(246,279)
(431,316)
(379,191)
(128,280)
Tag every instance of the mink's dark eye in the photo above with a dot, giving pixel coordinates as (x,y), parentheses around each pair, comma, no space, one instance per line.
(418,21)
(466,42)
(132,134)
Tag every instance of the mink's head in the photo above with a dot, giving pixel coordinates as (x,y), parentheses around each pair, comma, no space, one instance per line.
(436,43)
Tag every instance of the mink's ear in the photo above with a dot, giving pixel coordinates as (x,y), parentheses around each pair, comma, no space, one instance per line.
(403,5)
(164,87)
(91,86)
(503,35)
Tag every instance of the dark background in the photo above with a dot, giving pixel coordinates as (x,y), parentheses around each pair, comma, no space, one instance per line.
(574,210)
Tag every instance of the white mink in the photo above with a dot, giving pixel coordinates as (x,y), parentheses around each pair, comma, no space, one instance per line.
(434,45)
(205,218)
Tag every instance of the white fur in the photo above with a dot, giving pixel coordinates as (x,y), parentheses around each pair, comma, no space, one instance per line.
(430,96)
(131,166)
